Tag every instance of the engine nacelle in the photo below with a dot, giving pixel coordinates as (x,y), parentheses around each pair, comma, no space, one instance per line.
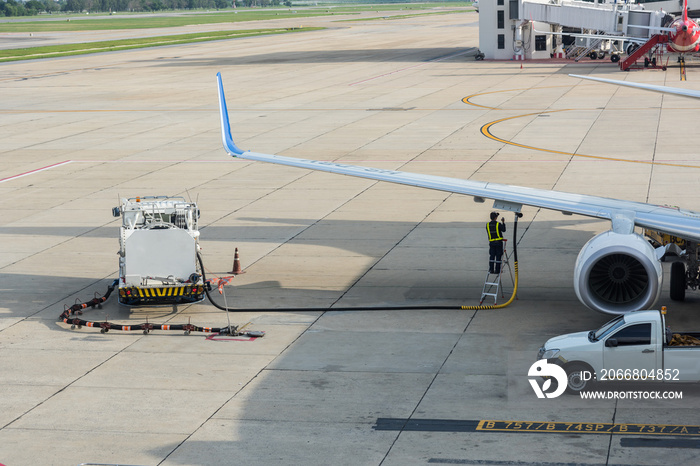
(617,273)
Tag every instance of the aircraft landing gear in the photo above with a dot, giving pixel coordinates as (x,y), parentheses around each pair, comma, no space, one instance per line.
(677,291)
(685,274)
(681,62)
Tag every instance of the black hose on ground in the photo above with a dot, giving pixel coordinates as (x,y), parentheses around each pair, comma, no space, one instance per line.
(105,327)
(377,308)
(232,330)
(77,308)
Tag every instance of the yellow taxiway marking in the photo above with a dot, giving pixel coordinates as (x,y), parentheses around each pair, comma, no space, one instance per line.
(587,428)
(486,131)
(534,427)
(467,99)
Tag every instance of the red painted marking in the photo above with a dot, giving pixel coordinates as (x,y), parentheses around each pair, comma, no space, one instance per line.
(213,338)
(48,167)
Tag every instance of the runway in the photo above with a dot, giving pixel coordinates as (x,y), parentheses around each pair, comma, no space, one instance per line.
(323,386)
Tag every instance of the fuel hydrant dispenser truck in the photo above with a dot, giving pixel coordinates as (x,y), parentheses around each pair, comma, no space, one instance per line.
(158,247)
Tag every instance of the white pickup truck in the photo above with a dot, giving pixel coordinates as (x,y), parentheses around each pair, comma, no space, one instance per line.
(636,346)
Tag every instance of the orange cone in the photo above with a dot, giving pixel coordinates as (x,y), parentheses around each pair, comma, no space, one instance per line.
(236,264)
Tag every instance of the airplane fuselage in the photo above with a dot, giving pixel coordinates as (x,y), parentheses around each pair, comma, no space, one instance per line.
(685,37)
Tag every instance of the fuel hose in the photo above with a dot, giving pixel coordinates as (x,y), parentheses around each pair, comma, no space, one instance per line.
(77,309)
(381,308)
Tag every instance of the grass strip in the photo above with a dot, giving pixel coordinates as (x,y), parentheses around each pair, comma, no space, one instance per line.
(176,19)
(410,15)
(33,53)
(147,22)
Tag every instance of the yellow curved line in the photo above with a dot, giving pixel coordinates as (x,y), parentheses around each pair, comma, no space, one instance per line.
(486,131)
(467,101)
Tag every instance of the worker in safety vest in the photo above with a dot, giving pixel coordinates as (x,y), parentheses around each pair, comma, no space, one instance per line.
(495,231)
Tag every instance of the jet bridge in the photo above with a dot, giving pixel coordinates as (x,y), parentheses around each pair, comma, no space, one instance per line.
(516,38)
(607,18)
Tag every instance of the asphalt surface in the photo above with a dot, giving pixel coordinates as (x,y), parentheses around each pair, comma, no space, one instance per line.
(323,386)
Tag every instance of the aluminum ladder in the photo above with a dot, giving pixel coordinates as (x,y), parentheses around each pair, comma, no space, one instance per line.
(493,285)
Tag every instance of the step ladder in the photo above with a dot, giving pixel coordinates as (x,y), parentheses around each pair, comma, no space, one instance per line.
(492,282)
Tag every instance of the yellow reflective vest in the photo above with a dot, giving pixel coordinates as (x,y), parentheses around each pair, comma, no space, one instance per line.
(495,230)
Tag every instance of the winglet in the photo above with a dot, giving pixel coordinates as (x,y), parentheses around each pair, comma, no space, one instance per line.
(229,145)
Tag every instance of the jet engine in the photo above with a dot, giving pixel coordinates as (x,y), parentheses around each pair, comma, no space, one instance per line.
(617,273)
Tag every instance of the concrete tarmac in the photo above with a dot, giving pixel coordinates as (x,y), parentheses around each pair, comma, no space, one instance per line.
(323,386)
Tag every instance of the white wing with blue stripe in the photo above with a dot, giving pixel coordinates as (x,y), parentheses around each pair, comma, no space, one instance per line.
(674,221)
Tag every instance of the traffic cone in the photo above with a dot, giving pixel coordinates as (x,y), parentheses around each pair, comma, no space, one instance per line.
(236,264)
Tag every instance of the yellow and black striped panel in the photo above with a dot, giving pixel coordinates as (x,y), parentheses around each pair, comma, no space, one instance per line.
(136,292)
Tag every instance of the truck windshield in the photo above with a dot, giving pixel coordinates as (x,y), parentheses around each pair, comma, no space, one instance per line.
(596,335)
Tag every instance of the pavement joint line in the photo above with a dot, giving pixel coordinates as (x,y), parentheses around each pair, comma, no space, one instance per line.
(48,167)
(610,438)
(653,154)
(404,422)
(433,60)
(59,72)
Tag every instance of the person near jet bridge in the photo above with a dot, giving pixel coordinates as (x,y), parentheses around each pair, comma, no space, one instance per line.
(495,230)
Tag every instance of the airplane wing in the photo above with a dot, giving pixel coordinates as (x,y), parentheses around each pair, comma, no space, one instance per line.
(647,87)
(624,215)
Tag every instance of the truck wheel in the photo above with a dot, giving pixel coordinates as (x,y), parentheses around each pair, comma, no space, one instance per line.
(575,383)
(677,290)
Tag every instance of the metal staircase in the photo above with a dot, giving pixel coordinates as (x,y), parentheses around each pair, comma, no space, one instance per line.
(580,52)
(645,48)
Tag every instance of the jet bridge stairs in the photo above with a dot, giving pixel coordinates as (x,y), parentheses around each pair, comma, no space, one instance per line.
(578,53)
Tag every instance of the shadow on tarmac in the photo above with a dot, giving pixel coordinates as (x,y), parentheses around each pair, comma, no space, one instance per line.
(406,55)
